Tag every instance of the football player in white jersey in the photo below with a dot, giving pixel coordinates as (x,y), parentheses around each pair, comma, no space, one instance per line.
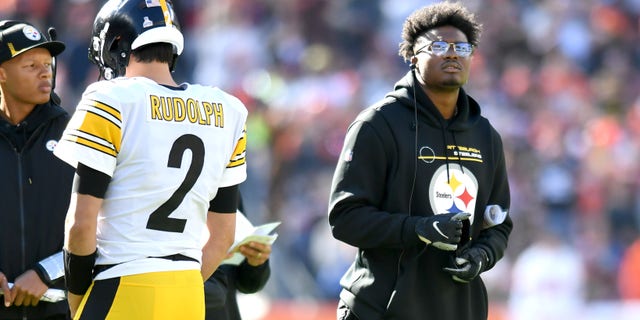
(156,163)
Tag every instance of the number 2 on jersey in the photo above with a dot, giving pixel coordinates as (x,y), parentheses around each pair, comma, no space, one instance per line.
(159,219)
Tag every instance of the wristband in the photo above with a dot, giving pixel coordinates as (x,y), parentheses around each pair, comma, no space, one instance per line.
(50,268)
(78,271)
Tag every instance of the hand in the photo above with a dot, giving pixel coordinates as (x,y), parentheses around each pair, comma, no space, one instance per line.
(469,264)
(442,231)
(256,253)
(4,285)
(28,289)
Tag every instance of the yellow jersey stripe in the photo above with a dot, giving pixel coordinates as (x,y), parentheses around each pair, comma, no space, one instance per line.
(96,125)
(239,152)
(236,163)
(237,160)
(108,109)
(93,145)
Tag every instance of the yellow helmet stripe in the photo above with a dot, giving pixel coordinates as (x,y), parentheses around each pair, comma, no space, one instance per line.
(165,11)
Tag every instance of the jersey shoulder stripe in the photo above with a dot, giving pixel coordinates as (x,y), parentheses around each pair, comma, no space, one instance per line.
(93,136)
(107,109)
(89,144)
(240,151)
(100,128)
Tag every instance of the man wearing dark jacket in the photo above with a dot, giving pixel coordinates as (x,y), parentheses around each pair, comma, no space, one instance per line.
(250,276)
(421,185)
(226,282)
(34,185)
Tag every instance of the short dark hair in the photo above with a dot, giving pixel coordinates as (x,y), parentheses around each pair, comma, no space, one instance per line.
(159,51)
(434,16)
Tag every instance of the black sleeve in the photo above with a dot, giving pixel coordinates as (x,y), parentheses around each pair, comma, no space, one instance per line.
(252,279)
(226,200)
(357,213)
(495,239)
(90,181)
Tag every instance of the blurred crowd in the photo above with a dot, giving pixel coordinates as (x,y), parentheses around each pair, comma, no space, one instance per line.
(558,79)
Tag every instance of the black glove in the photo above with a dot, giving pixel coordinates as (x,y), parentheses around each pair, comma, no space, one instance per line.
(442,231)
(469,264)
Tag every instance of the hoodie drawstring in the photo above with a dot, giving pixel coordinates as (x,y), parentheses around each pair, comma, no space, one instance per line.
(446,151)
(457,151)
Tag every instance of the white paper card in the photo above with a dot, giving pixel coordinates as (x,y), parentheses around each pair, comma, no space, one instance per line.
(247,232)
(51,295)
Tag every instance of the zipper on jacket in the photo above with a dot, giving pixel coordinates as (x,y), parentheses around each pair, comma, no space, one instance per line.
(23,245)
(27,144)
(23,248)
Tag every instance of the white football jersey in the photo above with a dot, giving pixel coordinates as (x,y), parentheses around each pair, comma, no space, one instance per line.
(167,152)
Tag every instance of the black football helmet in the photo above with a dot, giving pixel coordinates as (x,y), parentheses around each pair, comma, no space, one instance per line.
(124,25)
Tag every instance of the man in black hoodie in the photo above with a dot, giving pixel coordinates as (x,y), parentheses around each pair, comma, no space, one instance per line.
(34,185)
(421,185)
(250,276)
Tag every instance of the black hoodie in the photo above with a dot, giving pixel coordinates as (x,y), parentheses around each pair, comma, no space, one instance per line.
(35,187)
(393,171)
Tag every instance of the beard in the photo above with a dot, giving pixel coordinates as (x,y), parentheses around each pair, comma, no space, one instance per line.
(453,82)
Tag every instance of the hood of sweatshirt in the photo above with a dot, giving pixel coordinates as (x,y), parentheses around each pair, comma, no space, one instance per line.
(409,93)
(20,133)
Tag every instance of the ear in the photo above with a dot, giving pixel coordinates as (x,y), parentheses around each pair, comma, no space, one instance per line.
(3,75)
(414,60)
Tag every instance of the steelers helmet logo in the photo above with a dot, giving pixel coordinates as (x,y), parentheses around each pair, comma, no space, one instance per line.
(51,144)
(31,33)
(453,190)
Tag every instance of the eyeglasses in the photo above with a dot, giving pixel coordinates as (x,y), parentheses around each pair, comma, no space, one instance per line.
(440,48)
